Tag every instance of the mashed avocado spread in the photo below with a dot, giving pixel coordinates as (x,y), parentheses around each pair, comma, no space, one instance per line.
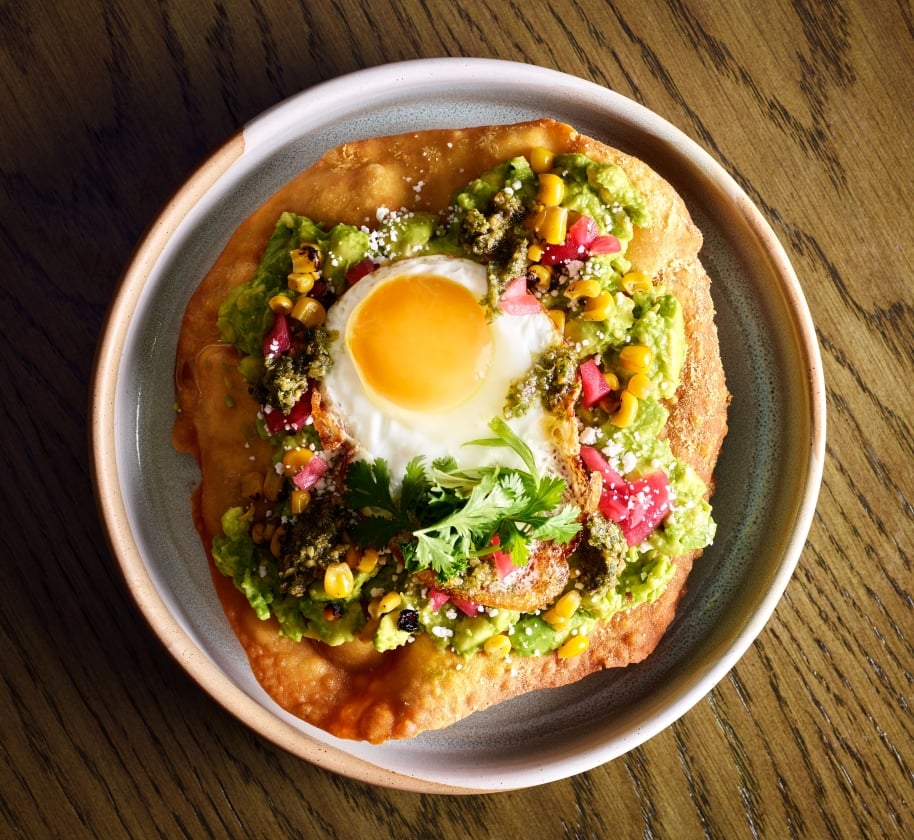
(564,226)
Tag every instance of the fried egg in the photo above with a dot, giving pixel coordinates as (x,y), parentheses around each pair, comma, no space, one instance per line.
(419,369)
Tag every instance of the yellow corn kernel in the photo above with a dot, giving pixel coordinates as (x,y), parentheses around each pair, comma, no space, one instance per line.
(276,541)
(498,645)
(628,408)
(554,620)
(338,580)
(299,501)
(636,281)
(612,380)
(535,252)
(558,318)
(294,459)
(575,646)
(554,227)
(306,259)
(541,159)
(258,533)
(583,288)
(568,604)
(309,312)
(551,190)
(389,603)
(353,556)
(598,308)
(640,385)
(367,561)
(252,485)
(542,274)
(281,303)
(636,358)
(301,281)
(272,485)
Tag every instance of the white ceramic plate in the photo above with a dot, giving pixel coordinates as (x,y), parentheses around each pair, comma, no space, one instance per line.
(767,480)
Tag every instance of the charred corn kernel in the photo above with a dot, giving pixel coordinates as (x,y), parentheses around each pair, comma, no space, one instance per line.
(555,225)
(389,603)
(309,312)
(542,275)
(554,620)
(636,281)
(306,259)
(353,556)
(628,408)
(333,612)
(281,303)
(299,501)
(551,189)
(368,561)
(535,219)
(252,485)
(301,281)
(541,159)
(640,385)
(575,646)
(294,459)
(272,485)
(498,645)
(276,541)
(558,318)
(568,604)
(636,358)
(258,533)
(583,289)
(535,252)
(338,580)
(598,308)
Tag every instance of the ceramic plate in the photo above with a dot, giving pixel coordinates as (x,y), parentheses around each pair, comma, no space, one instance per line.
(767,479)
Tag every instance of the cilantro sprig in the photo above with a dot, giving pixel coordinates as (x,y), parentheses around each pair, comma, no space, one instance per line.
(444,516)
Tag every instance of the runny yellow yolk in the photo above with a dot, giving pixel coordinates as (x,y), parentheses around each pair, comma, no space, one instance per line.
(422,342)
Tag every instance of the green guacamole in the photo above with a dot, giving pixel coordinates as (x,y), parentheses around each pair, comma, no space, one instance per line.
(489,220)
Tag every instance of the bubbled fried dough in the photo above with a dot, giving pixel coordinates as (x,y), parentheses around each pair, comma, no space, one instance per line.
(353,691)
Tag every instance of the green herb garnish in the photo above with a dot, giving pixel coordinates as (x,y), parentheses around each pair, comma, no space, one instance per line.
(444,516)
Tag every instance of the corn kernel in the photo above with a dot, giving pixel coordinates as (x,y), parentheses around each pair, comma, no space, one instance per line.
(636,281)
(338,580)
(554,620)
(558,318)
(368,561)
(301,281)
(498,645)
(306,259)
(636,358)
(281,303)
(554,227)
(612,380)
(598,308)
(575,646)
(294,459)
(542,274)
(583,288)
(640,385)
(272,485)
(299,501)
(568,604)
(628,408)
(309,312)
(389,603)
(541,159)
(276,542)
(353,556)
(551,189)
(535,252)
(258,533)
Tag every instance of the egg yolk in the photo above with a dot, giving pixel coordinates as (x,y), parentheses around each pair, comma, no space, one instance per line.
(421,342)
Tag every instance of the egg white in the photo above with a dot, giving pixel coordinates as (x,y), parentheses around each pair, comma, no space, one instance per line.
(379,428)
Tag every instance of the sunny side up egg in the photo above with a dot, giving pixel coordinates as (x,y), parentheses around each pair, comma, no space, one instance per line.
(419,369)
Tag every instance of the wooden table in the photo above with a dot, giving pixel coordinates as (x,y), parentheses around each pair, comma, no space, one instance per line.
(107,106)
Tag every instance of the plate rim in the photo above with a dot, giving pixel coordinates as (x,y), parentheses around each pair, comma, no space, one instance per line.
(258,137)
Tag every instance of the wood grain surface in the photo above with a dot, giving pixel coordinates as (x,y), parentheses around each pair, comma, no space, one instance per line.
(107,106)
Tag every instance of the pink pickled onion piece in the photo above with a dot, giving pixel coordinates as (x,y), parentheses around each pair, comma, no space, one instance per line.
(437,598)
(465,606)
(310,473)
(650,500)
(277,339)
(516,300)
(593,459)
(594,384)
(606,244)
